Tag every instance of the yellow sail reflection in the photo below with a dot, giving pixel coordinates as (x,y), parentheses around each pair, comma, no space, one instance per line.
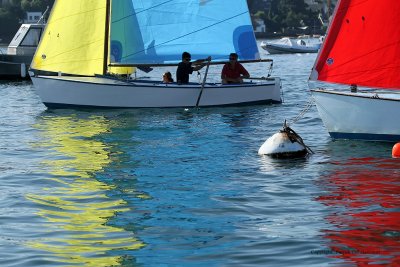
(78,209)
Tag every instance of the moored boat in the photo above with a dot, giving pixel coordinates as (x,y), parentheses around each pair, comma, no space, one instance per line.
(292,45)
(15,62)
(373,64)
(16,59)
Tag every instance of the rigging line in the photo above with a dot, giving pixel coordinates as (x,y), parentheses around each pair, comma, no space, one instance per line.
(304,111)
(209,26)
(249,48)
(73,15)
(141,11)
(79,47)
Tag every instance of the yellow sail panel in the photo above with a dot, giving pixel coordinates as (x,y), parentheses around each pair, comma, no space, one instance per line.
(121,70)
(73,41)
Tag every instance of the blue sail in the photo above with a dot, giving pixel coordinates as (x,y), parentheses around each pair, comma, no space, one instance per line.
(158,31)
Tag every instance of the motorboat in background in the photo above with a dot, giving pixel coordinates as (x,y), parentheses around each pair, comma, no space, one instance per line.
(373,63)
(302,44)
(15,61)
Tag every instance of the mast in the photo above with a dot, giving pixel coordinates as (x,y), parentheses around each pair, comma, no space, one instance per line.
(329,10)
(107,33)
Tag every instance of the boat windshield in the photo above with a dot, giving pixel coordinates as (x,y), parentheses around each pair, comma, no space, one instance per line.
(32,37)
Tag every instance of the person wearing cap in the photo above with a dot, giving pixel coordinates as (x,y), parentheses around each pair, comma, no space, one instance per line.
(233,71)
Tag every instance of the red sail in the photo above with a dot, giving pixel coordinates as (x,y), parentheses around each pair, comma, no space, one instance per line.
(363,45)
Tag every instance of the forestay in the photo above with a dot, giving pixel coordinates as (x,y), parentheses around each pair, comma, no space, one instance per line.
(363,45)
(160,30)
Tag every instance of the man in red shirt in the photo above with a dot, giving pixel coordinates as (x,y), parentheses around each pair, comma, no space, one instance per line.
(233,72)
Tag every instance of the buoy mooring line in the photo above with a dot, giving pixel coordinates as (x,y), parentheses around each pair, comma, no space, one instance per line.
(294,137)
(287,143)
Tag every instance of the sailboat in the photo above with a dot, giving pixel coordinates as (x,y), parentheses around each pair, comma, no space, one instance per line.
(362,49)
(91,44)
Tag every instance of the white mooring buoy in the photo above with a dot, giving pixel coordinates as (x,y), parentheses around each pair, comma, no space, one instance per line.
(284,144)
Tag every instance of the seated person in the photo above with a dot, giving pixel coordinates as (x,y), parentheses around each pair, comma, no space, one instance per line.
(167,77)
(233,72)
(185,68)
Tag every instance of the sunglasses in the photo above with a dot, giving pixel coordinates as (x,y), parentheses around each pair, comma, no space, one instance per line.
(232,58)
(188,59)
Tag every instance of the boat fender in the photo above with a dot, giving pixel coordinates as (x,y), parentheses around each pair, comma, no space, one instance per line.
(284,144)
(396,151)
(23,70)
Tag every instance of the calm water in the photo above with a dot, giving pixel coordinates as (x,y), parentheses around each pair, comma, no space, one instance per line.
(186,188)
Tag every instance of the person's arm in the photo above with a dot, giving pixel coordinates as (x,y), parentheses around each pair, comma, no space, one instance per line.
(201,61)
(223,75)
(223,72)
(198,67)
(199,64)
(244,72)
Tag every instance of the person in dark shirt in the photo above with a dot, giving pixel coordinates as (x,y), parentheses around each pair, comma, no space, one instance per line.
(233,71)
(185,68)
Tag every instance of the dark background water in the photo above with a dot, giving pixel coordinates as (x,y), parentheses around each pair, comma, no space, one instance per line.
(174,187)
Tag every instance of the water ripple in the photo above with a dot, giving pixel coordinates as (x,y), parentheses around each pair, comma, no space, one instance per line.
(186,187)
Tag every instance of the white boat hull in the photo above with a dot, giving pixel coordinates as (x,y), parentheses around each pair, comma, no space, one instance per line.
(65,91)
(281,49)
(290,45)
(363,116)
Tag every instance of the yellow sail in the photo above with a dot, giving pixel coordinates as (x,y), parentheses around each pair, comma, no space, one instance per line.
(73,41)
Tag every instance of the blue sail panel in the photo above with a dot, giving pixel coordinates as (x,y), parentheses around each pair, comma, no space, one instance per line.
(158,31)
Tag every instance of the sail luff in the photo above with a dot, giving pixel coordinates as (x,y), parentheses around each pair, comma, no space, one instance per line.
(332,32)
(362,45)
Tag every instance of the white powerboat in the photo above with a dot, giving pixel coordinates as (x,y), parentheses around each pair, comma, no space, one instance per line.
(292,45)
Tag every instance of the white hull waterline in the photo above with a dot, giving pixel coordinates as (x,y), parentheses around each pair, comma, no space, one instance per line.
(362,116)
(281,49)
(64,91)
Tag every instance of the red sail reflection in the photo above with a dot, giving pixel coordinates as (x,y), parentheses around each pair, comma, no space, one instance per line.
(365,193)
